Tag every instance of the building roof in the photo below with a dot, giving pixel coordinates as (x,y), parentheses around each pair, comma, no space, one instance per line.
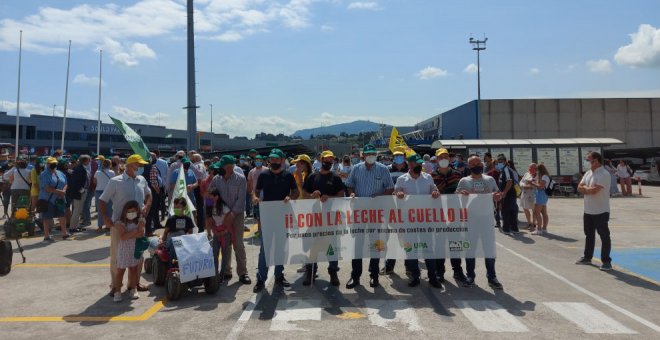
(518,142)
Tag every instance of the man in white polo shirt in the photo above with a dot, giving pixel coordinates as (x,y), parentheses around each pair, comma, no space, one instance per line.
(129,186)
(595,186)
(416,182)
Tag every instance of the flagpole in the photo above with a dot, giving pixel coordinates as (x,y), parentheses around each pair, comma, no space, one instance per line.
(66,97)
(98,123)
(18,95)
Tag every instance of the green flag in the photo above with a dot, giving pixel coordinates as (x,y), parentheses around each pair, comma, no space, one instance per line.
(180,190)
(133,139)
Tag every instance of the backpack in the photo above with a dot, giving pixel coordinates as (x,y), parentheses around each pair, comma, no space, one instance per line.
(550,187)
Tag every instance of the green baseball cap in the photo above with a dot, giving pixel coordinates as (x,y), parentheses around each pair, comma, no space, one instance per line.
(252,151)
(369,149)
(259,157)
(415,158)
(225,160)
(185,160)
(276,153)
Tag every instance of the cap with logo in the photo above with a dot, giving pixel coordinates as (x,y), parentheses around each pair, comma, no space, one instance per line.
(415,158)
(327,153)
(369,149)
(276,153)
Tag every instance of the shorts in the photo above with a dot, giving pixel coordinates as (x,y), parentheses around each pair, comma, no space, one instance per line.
(541,197)
(52,212)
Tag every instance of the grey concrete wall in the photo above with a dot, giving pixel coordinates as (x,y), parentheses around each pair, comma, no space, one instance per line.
(635,121)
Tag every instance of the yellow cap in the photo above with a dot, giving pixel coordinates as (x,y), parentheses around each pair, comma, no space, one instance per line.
(100,157)
(327,153)
(399,150)
(135,158)
(302,157)
(441,151)
(51,160)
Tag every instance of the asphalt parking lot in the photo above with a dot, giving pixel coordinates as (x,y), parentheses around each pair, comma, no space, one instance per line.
(61,293)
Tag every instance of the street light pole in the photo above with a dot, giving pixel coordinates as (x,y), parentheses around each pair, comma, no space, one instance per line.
(478,45)
(52,142)
(211,105)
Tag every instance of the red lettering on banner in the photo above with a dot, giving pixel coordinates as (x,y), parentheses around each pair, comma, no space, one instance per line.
(463,215)
(451,215)
(338,218)
(442,216)
(392,218)
(301,220)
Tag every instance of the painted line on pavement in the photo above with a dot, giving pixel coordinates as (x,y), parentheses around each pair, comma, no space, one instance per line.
(489,316)
(290,310)
(577,287)
(590,319)
(251,304)
(383,312)
(81,318)
(631,273)
(63,265)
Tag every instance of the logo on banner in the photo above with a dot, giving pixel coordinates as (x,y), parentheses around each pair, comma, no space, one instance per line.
(177,243)
(459,245)
(417,247)
(331,251)
(378,245)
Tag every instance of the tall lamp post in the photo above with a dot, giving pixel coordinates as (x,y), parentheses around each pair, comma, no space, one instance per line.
(211,105)
(478,45)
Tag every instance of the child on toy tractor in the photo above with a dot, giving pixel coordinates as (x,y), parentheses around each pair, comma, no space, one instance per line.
(176,225)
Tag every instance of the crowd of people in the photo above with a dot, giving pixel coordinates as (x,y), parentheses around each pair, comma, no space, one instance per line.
(133,197)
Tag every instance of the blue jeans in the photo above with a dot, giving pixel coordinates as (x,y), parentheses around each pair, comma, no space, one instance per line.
(262,270)
(87,209)
(108,206)
(490,268)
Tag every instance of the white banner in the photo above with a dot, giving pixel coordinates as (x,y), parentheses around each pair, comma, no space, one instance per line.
(195,256)
(416,227)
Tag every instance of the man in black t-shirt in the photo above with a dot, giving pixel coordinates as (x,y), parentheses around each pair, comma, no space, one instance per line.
(323,185)
(276,185)
(509,204)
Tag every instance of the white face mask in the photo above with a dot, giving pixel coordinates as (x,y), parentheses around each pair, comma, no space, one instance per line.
(443,163)
(371,159)
(586,165)
(131,215)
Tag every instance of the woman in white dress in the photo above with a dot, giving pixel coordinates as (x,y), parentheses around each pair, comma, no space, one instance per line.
(528,196)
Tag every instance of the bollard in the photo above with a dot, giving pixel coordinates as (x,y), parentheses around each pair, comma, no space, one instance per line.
(639,186)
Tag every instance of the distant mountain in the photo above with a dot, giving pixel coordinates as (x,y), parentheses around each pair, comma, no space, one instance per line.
(350,128)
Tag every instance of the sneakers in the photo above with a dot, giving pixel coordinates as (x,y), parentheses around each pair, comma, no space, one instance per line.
(508,233)
(537,232)
(386,271)
(469,282)
(373,282)
(64,237)
(584,261)
(433,281)
(493,283)
(133,294)
(460,278)
(308,278)
(607,266)
(117,297)
(281,281)
(48,239)
(413,282)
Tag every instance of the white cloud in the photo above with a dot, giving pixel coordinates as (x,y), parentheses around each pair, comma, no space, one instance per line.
(431,72)
(599,66)
(471,68)
(28,109)
(643,51)
(121,30)
(137,117)
(533,71)
(363,5)
(83,79)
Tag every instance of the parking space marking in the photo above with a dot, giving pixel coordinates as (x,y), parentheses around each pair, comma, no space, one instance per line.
(579,288)
(382,313)
(489,316)
(588,318)
(291,310)
(81,318)
(62,265)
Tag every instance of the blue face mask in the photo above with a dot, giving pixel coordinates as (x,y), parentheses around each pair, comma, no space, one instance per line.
(258,164)
(500,166)
(398,159)
(139,171)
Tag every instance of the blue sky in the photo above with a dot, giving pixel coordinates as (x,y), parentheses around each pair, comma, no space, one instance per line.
(280,65)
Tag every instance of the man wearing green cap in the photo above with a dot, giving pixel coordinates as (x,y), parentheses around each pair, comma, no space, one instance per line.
(416,182)
(368,179)
(232,187)
(274,184)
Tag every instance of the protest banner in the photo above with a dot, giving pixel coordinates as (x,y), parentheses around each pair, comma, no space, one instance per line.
(195,256)
(416,227)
